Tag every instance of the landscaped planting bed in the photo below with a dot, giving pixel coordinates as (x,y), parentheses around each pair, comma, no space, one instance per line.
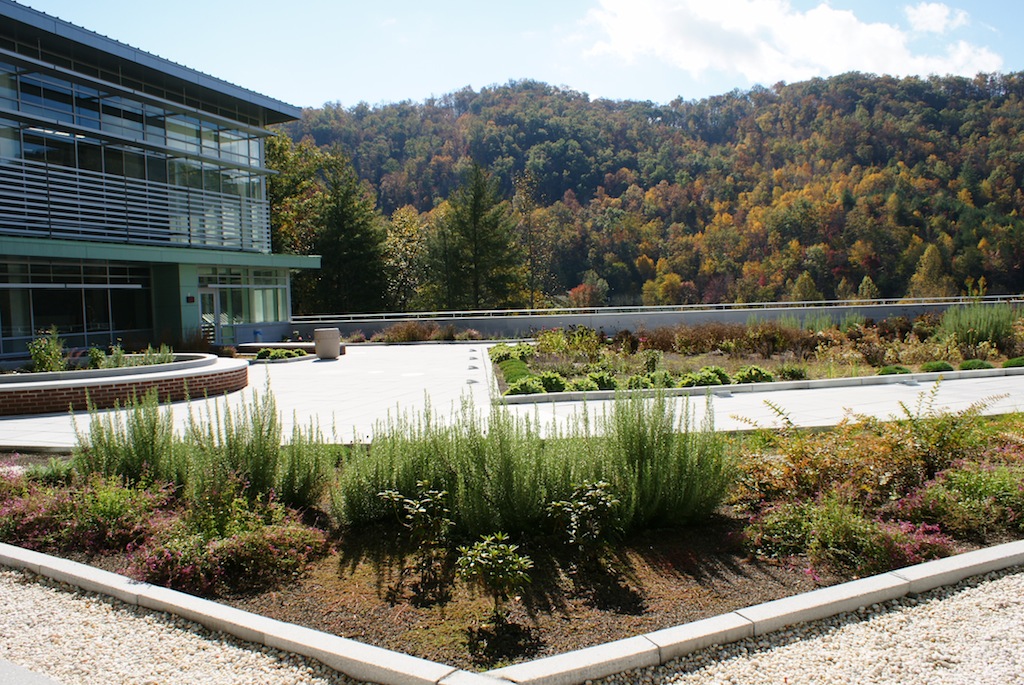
(581,359)
(483,545)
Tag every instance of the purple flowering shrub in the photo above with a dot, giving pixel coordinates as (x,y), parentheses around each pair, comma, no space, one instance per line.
(251,546)
(95,516)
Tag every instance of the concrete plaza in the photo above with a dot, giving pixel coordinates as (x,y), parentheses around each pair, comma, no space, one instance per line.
(348,397)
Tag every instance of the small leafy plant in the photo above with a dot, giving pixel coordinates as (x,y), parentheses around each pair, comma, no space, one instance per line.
(587,518)
(47,352)
(495,566)
(426,517)
(753,374)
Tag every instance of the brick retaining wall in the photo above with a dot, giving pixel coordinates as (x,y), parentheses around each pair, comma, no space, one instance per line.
(68,395)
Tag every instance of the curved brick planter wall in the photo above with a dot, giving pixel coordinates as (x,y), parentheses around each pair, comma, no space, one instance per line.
(217,377)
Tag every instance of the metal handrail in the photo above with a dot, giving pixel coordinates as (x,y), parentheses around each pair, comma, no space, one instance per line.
(638,309)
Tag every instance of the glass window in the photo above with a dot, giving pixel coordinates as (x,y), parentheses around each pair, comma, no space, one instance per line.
(97,310)
(156,168)
(58,307)
(87,107)
(134,164)
(113,161)
(31,94)
(233,146)
(210,140)
(90,155)
(34,148)
(132,119)
(129,309)
(15,313)
(10,139)
(112,116)
(183,133)
(8,86)
(211,178)
(61,151)
(94,273)
(154,131)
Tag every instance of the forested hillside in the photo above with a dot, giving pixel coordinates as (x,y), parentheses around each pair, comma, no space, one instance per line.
(825,188)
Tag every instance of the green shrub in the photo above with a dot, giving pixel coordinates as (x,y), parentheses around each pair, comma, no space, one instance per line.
(974,365)
(530,385)
(96,516)
(1015,362)
(662,379)
(588,518)
(753,374)
(513,370)
(893,370)
(974,324)
(137,444)
(305,469)
(603,380)
(665,471)
(47,352)
(54,472)
(500,352)
(279,353)
(97,357)
(936,366)
(723,377)
(494,472)
(651,359)
(639,381)
(792,372)
(552,382)
(497,567)
(584,384)
(425,516)
(407,331)
(256,547)
(837,535)
(709,375)
(971,501)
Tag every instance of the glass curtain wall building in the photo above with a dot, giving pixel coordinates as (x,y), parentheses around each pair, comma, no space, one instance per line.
(132,195)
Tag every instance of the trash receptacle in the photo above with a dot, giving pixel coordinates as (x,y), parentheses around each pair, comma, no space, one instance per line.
(327,342)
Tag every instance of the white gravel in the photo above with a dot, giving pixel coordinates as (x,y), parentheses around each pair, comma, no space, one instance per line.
(78,637)
(972,632)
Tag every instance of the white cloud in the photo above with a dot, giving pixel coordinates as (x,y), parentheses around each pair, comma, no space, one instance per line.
(934,17)
(766,41)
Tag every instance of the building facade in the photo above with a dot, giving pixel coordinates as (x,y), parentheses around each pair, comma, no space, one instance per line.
(133,198)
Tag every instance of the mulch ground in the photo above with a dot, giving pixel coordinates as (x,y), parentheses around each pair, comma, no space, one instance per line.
(657,580)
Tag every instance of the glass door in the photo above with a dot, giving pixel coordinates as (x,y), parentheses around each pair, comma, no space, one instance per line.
(209,315)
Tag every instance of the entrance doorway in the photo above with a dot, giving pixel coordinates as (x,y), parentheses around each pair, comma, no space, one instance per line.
(209,316)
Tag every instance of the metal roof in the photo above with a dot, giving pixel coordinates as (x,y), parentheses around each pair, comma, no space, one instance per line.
(24,22)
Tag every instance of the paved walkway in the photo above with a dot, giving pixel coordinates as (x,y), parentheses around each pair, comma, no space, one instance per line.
(349,396)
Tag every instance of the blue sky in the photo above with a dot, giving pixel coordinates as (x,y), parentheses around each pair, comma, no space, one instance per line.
(309,52)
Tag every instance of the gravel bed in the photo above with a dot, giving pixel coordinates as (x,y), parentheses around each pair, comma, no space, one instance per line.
(79,637)
(972,632)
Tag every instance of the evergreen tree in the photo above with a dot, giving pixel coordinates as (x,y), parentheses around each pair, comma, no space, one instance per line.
(804,290)
(867,290)
(931,279)
(474,258)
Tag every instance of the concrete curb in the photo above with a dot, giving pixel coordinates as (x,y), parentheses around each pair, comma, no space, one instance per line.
(725,390)
(374,664)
